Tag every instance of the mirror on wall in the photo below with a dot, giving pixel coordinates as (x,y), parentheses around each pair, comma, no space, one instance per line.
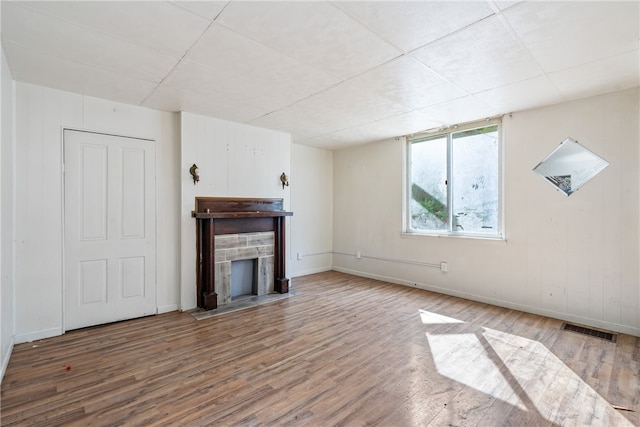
(570,166)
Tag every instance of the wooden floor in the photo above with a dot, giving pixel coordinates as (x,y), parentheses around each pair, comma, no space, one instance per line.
(343,351)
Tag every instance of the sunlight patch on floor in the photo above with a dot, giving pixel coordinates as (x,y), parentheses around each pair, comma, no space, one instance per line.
(429,318)
(462,358)
(516,370)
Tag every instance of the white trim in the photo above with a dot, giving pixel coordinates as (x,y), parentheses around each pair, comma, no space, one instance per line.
(100,132)
(492,238)
(167,308)
(311,271)
(38,335)
(448,131)
(406,165)
(62,229)
(500,303)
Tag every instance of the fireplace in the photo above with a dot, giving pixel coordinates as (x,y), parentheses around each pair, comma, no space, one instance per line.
(244,278)
(223,227)
(253,248)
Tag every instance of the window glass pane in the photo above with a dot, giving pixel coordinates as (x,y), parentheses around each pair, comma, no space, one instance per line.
(475,180)
(428,205)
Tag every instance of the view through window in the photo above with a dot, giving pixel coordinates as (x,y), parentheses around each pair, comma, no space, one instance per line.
(454,182)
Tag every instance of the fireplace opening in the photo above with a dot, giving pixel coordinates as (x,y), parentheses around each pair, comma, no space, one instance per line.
(243,278)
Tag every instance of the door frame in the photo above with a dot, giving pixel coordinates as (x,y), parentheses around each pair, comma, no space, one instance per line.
(63,216)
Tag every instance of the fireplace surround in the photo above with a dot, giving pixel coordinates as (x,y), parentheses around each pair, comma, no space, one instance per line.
(220,216)
(256,247)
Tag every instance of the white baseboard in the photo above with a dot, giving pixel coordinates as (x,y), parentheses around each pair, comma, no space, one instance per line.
(596,323)
(167,308)
(5,359)
(312,271)
(38,335)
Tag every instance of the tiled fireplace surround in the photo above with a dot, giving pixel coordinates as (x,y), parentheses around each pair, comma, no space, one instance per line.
(244,246)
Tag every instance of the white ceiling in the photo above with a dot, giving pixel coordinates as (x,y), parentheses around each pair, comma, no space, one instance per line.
(332,74)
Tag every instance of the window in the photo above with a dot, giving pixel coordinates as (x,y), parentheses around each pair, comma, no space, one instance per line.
(454,182)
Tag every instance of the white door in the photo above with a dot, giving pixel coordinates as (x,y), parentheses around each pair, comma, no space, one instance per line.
(109,235)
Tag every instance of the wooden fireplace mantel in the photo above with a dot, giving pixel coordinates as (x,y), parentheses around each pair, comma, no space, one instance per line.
(223,215)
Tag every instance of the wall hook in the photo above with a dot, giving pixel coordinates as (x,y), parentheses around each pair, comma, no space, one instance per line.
(284,180)
(193,170)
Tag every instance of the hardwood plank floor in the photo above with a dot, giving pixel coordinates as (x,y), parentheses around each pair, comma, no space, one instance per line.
(344,350)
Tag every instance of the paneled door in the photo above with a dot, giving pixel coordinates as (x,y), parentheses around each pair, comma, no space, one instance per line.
(109,228)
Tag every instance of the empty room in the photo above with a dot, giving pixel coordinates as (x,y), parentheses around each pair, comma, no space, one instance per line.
(320,213)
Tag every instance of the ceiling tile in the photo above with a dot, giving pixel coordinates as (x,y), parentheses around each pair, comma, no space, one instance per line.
(410,122)
(251,70)
(204,103)
(615,73)
(318,142)
(409,25)
(349,104)
(408,82)
(502,5)
(209,9)
(459,111)
(53,37)
(527,94)
(348,137)
(564,34)
(196,78)
(315,33)
(72,76)
(342,107)
(387,128)
(162,26)
(480,57)
(299,122)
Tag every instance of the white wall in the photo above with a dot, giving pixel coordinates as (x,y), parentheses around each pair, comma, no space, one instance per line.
(572,258)
(234,160)
(7,216)
(41,114)
(312,203)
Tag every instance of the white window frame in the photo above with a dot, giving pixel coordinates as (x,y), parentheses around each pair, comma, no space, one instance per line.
(407,231)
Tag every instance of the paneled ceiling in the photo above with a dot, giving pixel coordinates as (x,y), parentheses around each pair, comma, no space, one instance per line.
(333,74)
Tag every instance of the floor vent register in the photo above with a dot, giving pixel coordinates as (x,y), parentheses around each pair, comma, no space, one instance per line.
(607,336)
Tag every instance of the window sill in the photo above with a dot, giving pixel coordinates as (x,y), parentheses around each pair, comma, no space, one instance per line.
(493,238)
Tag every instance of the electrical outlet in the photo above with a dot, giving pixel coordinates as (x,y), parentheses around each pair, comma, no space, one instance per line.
(358,255)
(444,267)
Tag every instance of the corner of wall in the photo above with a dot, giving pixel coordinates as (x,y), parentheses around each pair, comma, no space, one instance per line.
(5,358)
(7,214)
(312,205)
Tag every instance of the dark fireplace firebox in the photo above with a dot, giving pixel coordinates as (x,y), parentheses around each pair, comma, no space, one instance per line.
(220,215)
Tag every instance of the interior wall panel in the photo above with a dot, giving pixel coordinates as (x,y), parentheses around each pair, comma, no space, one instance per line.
(7,214)
(41,116)
(312,203)
(234,160)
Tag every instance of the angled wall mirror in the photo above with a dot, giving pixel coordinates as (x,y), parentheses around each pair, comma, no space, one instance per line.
(570,166)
